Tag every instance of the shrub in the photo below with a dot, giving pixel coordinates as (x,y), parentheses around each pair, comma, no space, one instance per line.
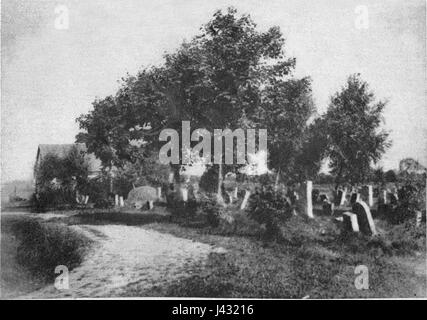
(208,208)
(42,247)
(99,194)
(411,197)
(271,209)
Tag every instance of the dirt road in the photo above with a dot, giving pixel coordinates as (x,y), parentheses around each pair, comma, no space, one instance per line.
(127,255)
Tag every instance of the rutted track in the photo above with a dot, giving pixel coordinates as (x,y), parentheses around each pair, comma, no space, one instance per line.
(128,255)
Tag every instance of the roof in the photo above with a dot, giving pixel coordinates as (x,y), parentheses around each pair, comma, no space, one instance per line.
(61,150)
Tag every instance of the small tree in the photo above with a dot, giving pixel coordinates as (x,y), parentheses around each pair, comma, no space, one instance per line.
(390,176)
(58,179)
(352,127)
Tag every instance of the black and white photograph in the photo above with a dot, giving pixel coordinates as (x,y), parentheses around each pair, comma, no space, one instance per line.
(212,150)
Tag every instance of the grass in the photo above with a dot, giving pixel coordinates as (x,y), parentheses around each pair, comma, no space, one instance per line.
(43,246)
(313,259)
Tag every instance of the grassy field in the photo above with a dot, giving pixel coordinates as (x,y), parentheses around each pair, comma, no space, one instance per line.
(313,261)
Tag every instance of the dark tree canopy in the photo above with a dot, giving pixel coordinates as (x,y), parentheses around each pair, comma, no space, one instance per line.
(229,76)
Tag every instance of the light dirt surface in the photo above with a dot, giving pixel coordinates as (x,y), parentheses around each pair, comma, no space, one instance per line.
(127,255)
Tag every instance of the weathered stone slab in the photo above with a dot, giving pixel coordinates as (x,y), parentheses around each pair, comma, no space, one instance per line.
(337,198)
(343,197)
(350,222)
(364,217)
(354,198)
(370,196)
(328,208)
(245,200)
(304,202)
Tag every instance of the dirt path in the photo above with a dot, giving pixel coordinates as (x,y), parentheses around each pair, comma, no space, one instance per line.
(127,255)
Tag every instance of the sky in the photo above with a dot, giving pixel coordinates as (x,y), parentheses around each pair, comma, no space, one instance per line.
(51,71)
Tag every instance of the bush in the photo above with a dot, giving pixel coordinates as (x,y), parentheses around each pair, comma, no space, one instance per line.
(98,191)
(208,208)
(411,198)
(42,247)
(271,209)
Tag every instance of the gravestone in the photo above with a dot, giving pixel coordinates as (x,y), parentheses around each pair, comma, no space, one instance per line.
(304,202)
(370,196)
(354,198)
(418,218)
(121,201)
(315,195)
(364,218)
(328,208)
(338,197)
(184,194)
(350,222)
(343,195)
(324,197)
(245,200)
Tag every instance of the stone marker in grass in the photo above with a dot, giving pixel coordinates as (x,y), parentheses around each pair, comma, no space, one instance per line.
(304,202)
(370,196)
(350,222)
(364,217)
(343,195)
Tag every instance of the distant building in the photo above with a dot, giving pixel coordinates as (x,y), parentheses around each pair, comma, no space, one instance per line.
(411,166)
(62,150)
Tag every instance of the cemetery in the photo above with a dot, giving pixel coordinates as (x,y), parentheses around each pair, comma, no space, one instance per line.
(132,209)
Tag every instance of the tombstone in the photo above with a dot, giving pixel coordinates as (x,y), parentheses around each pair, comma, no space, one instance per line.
(338,196)
(350,222)
(364,217)
(121,201)
(324,197)
(150,204)
(159,193)
(315,195)
(328,208)
(418,218)
(116,200)
(384,198)
(393,199)
(171,177)
(354,198)
(195,190)
(344,194)
(230,197)
(304,203)
(184,194)
(245,200)
(370,196)
(236,190)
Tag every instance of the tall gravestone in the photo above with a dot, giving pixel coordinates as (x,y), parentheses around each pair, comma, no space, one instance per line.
(364,218)
(343,195)
(370,196)
(305,201)
(338,196)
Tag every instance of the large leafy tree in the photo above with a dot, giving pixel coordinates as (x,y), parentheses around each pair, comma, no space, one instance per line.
(352,127)
(229,76)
